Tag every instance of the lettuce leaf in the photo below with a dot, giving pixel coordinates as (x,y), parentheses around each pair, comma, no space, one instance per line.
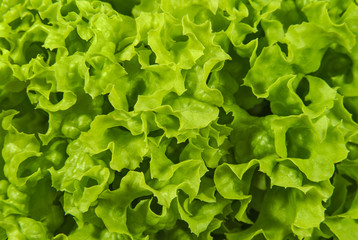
(164,119)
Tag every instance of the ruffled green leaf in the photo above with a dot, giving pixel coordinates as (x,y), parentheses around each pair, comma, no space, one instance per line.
(164,119)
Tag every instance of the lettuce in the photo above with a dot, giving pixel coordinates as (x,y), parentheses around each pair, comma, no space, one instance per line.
(164,119)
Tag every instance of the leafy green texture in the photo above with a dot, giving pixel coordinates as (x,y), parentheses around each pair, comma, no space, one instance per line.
(180,120)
